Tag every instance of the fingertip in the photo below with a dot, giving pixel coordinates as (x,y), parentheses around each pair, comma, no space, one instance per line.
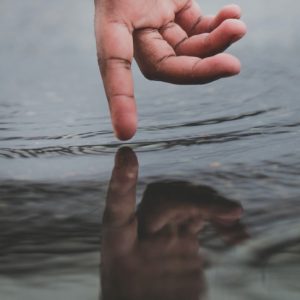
(125,128)
(230,64)
(234,67)
(228,12)
(231,11)
(124,116)
(236,28)
(241,28)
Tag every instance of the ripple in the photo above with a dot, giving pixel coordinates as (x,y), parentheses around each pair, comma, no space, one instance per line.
(212,121)
(141,146)
(84,135)
(91,134)
(147,145)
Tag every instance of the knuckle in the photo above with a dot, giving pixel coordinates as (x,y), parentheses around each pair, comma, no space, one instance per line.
(169,26)
(113,62)
(151,72)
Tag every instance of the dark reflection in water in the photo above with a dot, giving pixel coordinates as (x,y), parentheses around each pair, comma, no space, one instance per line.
(153,252)
(182,240)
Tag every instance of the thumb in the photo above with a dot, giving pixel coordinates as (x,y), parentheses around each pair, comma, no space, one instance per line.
(115,53)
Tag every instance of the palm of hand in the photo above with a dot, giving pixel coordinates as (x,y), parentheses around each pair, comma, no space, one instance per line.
(171,41)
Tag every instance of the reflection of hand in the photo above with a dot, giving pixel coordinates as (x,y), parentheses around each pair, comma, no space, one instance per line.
(154,254)
(171,40)
(186,207)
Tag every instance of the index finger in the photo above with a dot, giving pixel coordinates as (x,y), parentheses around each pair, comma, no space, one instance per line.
(115,54)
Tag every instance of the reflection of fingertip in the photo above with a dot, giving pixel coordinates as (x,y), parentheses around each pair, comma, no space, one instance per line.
(125,150)
(126,158)
(230,217)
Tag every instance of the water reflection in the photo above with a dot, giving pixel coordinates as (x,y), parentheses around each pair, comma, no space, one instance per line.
(182,241)
(153,252)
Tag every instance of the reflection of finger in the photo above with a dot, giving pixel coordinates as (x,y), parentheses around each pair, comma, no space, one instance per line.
(163,64)
(179,215)
(194,225)
(204,45)
(189,214)
(226,215)
(234,234)
(167,204)
(115,53)
(119,223)
(193,22)
(120,205)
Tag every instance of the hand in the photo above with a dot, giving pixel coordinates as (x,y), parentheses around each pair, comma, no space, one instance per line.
(148,251)
(171,41)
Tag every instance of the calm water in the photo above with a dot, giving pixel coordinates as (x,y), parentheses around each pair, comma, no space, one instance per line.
(213,212)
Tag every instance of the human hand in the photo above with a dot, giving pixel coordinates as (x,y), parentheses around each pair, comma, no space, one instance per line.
(171,41)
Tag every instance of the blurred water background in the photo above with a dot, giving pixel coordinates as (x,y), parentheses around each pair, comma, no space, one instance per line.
(238,136)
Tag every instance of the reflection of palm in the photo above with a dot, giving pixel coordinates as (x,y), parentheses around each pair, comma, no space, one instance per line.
(154,253)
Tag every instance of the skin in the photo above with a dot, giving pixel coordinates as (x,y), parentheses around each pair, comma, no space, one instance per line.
(171,40)
(153,252)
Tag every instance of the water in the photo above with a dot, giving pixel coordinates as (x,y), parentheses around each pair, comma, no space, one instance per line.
(218,168)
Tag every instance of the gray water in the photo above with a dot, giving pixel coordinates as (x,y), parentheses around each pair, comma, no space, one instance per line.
(218,167)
